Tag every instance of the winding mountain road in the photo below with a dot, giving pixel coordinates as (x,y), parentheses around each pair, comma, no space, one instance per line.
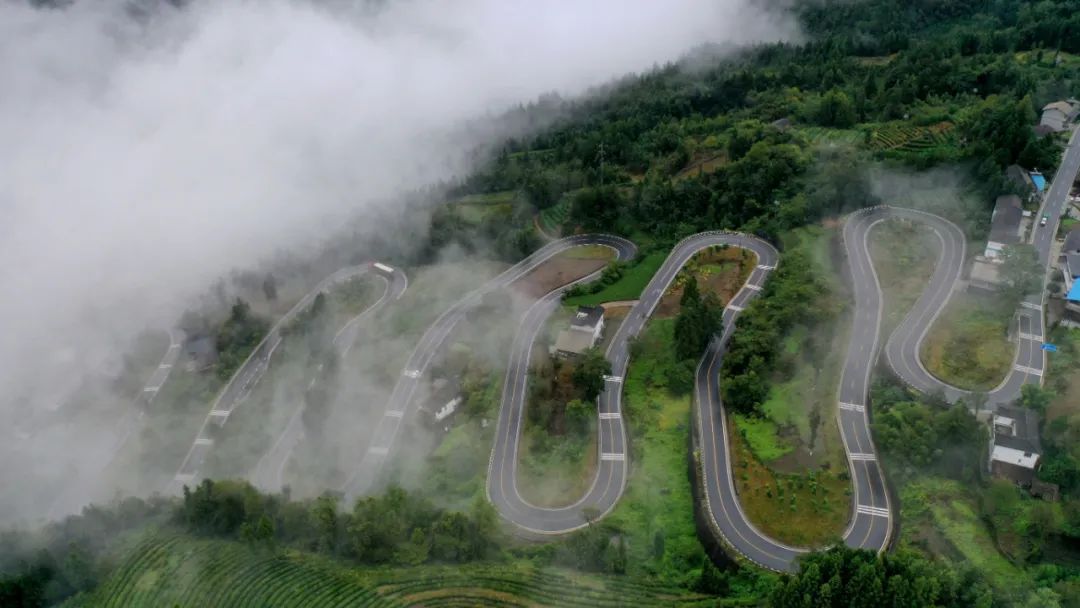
(872,513)
(243,381)
(613,460)
(270,470)
(435,338)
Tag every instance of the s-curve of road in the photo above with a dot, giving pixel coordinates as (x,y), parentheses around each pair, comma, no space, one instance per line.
(435,338)
(871,523)
(243,381)
(613,461)
(269,472)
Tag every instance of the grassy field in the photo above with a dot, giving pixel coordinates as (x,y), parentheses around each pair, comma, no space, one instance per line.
(1063,377)
(762,436)
(177,570)
(658,498)
(475,208)
(804,510)
(904,255)
(800,406)
(941,516)
(629,287)
(790,467)
(555,471)
(967,345)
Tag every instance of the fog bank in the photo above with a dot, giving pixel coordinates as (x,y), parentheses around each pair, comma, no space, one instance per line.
(147,152)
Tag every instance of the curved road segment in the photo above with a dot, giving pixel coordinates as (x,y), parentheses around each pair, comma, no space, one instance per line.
(612,469)
(435,338)
(239,386)
(871,521)
(269,472)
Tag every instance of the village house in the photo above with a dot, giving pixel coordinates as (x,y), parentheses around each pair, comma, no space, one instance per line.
(1014,445)
(1030,184)
(1005,224)
(586,329)
(1069,263)
(1057,116)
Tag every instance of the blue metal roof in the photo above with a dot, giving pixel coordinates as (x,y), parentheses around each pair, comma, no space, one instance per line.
(1074,293)
(1040,181)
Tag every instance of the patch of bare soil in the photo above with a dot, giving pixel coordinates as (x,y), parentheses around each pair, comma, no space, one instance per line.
(556,272)
(719,271)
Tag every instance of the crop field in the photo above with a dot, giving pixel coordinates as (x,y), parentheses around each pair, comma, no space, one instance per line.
(177,570)
(551,219)
(180,571)
(476,208)
(908,138)
(523,585)
(823,135)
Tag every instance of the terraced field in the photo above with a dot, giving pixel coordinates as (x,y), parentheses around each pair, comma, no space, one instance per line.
(820,135)
(177,570)
(180,571)
(907,138)
(475,208)
(522,585)
(552,218)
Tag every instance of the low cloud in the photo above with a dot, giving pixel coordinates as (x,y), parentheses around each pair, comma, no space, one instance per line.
(149,149)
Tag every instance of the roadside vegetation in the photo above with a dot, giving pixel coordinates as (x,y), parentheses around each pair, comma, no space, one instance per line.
(969,344)
(904,254)
(557,460)
(779,385)
(620,281)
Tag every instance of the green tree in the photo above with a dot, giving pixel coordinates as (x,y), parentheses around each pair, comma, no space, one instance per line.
(853,578)
(836,110)
(1021,272)
(596,208)
(261,530)
(589,372)
(699,319)
(325,517)
(1035,397)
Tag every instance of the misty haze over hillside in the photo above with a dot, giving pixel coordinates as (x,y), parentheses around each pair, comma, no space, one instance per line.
(145,157)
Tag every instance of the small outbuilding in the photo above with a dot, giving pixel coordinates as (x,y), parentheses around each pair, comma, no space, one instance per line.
(1057,116)
(1015,452)
(586,329)
(1005,224)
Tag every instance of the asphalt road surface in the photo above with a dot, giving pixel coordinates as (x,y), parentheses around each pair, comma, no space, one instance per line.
(269,471)
(240,385)
(613,460)
(368,469)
